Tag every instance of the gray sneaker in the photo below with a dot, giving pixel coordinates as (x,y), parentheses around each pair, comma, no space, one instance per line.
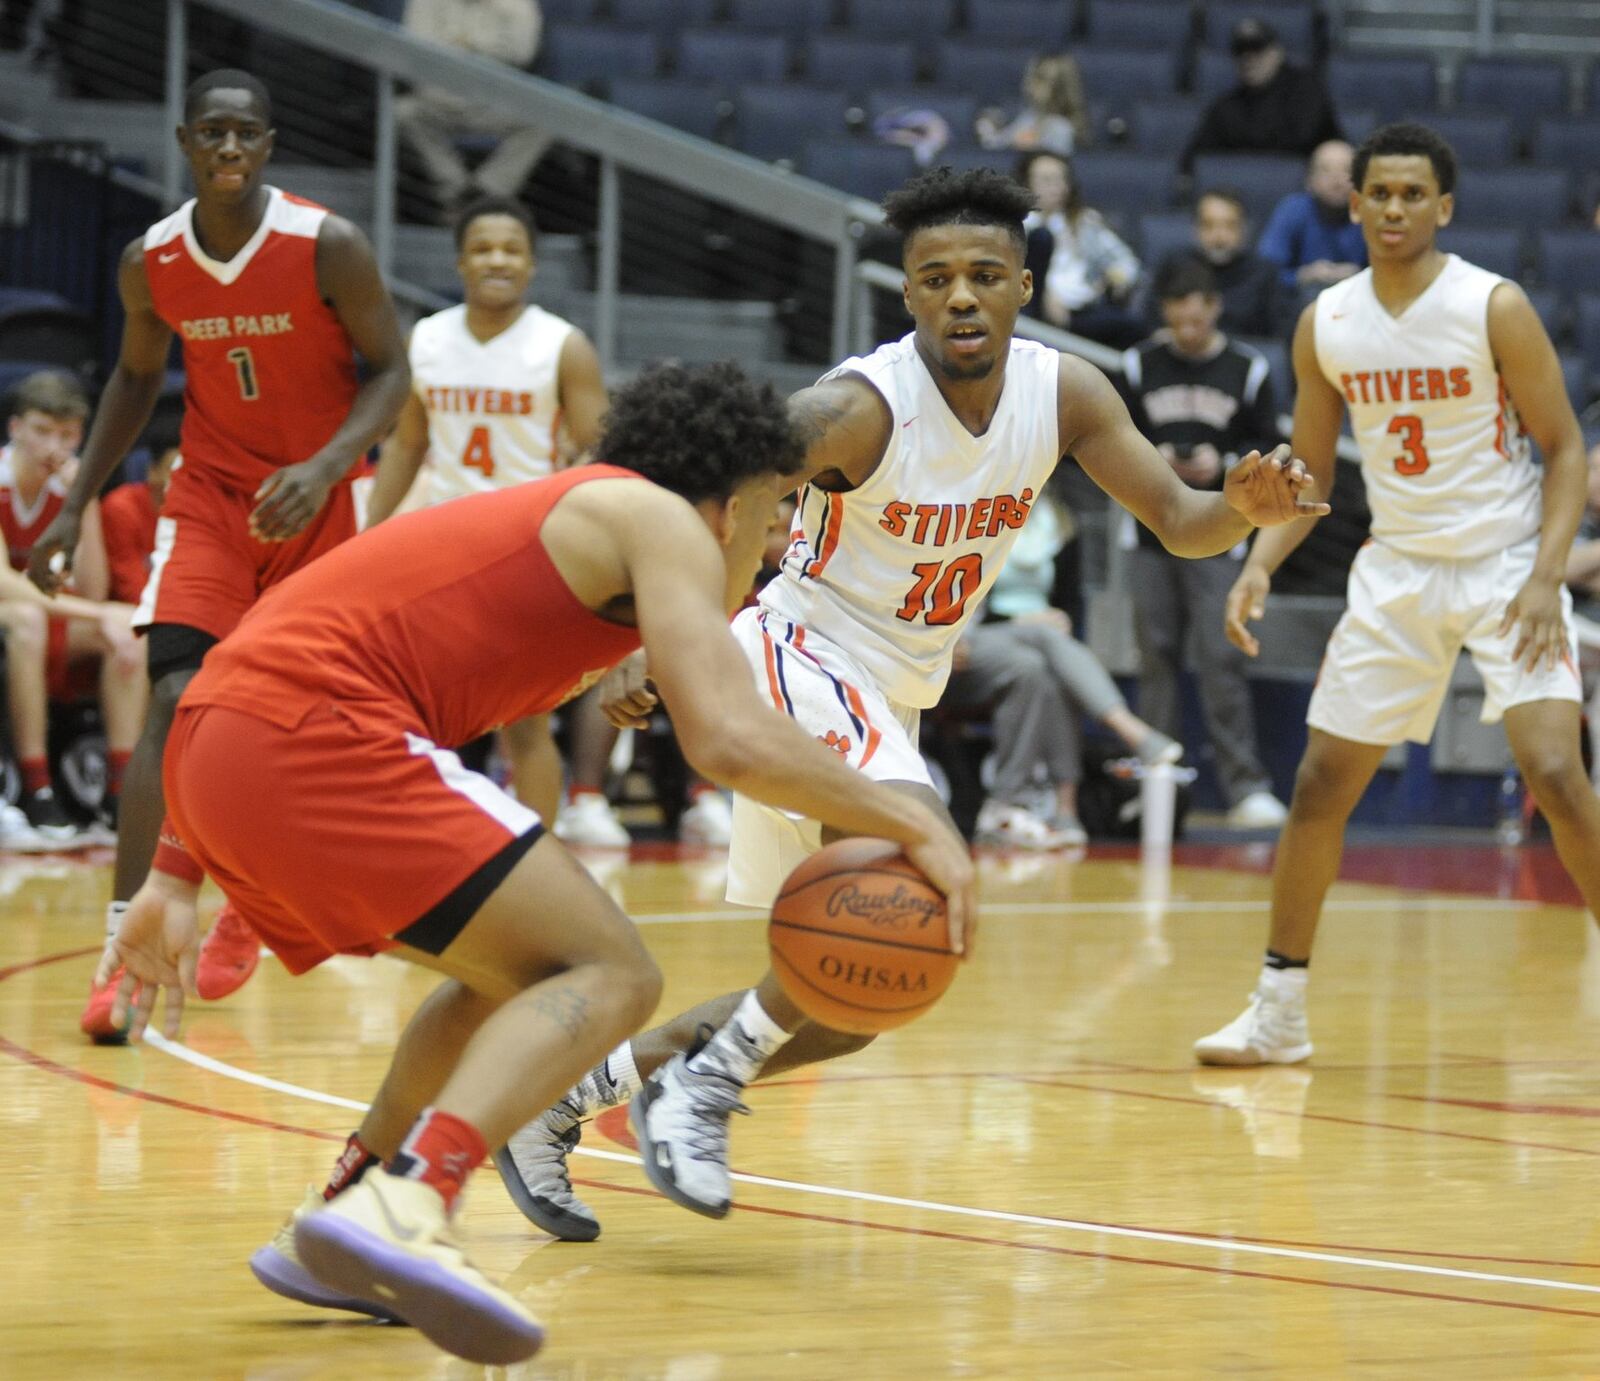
(681,1119)
(533,1168)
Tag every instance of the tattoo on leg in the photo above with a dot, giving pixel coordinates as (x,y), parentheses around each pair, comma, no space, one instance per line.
(568,1010)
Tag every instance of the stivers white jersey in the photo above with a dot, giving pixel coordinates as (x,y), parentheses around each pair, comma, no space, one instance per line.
(493,406)
(1448,468)
(892,571)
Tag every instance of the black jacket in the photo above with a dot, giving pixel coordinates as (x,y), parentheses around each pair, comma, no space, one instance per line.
(1292,113)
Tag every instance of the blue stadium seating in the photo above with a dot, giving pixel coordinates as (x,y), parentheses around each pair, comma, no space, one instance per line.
(1262,180)
(967,158)
(1163,127)
(1396,87)
(666,17)
(1589,330)
(1565,141)
(694,107)
(859,63)
(1293,23)
(1575,374)
(1523,89)
(1569,260)
(27,299)
(992,72)
(897,18)
(725,55)
(1530,198)
(554,11)
(1213,74)
(1127,184)
(795,17)
(959,109)
(865,170)
(1358,122)
(1120,77)
(1479,140)
(1141,23)
(1043,27)
(1280,369)
(1162,233)
(579,53)
(775,121)
(1497,248)
(1551,305)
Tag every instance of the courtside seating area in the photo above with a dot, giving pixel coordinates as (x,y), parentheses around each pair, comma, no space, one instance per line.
(803,81)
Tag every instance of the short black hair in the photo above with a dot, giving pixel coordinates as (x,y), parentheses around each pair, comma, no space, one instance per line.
(700,431)
(226,79)
(1231,195)
(494,206)
(980,196)
(1405,138)
(1184,275)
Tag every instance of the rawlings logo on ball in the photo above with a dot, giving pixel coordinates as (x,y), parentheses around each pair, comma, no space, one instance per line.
(898,910)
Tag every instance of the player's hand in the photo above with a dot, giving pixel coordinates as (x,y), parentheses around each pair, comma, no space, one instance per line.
(1537,616)
(123,645)
(289,499)
(627,694)
(50,563)
(1247,600)
(945,860)
(158,943)
(1273,489)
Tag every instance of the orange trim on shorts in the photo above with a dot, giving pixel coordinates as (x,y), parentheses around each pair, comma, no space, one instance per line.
(873,736)
(773,688)
(833,516)
(1500,421)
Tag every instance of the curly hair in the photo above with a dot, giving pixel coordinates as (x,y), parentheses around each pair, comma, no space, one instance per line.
(1406,138)
(494,206)
(981,196)
(700,432)
(227,79)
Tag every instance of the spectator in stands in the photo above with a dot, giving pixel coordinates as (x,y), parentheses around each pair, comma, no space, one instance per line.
(1083,273)
(1021,653)
(1310,236)
(1277,107)
(433,120)
(1054,116)
(1252,300)
(1202,399)
(128,515)
(51,640)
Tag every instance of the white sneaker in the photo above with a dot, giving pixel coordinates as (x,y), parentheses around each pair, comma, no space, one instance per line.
(278,1266)
(1260,810)
(390,1239)
(680,1117)
(708,821)
(589,820)
(18,836)
(1013,827)
(533,1168)
(1272,1030)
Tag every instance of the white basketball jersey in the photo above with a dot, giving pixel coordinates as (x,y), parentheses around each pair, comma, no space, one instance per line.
(1448,468)
(493,406)
(892,571)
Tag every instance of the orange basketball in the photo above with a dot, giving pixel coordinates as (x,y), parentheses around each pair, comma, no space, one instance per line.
(860,939)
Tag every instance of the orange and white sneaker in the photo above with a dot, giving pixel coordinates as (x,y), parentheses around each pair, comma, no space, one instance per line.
(228,956)
(390,1239)
(96,1021)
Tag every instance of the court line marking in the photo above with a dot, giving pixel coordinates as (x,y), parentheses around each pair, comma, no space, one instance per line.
(1181,905)
(1228,1247)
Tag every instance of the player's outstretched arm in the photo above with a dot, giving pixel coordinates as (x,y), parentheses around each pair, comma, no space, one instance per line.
(727,732)
(157,943)
(845,425)
(348,279)
(1096,429)
(1532,373)
(399,461)
(125,406)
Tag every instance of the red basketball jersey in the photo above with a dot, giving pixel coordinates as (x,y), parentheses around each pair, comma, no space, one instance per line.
(23,523)
(455,616)
(271,372)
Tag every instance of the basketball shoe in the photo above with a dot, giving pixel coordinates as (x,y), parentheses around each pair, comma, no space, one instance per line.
(228,956)
(533,1168)
(589,820)
(1272,1029)
(708,821)
(1016,827)
(390,1239)
(680,1117)
(96,1021)
(278,1267)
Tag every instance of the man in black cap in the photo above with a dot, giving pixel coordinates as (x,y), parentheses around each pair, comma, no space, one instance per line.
(1277,107)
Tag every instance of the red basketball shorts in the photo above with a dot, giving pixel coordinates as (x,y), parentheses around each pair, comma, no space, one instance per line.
(207,569)
(336,836)
(67,681)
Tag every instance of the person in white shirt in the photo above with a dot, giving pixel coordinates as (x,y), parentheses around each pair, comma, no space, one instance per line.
(923,461)
(1449,380)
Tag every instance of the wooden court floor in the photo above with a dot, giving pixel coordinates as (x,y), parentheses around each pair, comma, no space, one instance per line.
(1033,1181)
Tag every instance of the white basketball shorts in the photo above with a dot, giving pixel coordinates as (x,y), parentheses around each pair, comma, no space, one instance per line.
(831,696)
(1388,663)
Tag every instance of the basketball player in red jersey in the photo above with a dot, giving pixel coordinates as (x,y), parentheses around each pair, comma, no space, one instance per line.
(271,298)
(324,713)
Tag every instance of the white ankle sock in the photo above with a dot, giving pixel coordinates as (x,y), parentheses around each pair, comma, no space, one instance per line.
(1284,984)
(115,911)
(745,1043)
(622,1074)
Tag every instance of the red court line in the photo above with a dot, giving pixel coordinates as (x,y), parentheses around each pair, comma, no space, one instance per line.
(1491,1105)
